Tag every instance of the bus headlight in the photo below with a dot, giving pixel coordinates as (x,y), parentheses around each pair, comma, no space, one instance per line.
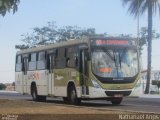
(95,84)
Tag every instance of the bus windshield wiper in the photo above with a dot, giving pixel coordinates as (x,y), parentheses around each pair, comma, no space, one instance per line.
(109,54)
(113,58)
(120,60)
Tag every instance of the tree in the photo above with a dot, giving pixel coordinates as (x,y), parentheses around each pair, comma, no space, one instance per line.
(51,34)
(8,5)
(39,36)
(139,7)
(2,86)
(143,37)
(73,32)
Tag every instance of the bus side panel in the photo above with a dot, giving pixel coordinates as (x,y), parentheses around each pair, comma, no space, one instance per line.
(40,77)
(96,92)
(61,79)
(19,82)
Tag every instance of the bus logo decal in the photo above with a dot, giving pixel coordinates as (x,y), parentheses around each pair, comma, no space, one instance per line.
(59,77)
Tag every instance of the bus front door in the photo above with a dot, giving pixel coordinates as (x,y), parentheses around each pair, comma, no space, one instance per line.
(25,78)
(84,72)
(51,64)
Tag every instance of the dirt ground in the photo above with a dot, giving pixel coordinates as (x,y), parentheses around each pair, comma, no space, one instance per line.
(29,110)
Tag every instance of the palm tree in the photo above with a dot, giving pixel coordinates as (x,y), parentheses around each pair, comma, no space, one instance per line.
(7,5)
(139,7)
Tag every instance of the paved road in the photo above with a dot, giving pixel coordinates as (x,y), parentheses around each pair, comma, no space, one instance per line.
(142,104)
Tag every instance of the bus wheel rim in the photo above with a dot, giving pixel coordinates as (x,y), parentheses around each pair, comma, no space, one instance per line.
(73,95)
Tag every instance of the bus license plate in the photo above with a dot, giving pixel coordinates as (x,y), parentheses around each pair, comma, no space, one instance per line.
(118,95)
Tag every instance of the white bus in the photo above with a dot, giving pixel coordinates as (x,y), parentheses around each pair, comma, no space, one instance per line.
(89,68)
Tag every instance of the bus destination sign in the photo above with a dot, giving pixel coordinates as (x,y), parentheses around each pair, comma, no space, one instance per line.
(112,42)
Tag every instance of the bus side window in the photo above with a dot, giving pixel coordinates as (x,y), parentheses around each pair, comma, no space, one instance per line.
(67,62)
(72,57)
(23,66)
(76,61)
(32,61)
(48,62)
(60,61)
(41,63)
(18,63)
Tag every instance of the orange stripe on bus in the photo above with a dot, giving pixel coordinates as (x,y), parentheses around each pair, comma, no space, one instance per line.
(105,69)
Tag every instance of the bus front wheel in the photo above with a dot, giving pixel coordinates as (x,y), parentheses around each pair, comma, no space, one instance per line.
(116,101)
(72,96)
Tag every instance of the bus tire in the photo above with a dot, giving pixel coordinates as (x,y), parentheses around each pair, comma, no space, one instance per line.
(65,99)
(116,101)
(34,93)
(35,96)
(41,98)
(72,96)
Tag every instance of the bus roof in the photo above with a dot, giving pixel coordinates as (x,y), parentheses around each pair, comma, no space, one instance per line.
(70,42)
(56,45)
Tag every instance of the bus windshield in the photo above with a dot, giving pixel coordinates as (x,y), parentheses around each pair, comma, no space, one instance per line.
(114,63)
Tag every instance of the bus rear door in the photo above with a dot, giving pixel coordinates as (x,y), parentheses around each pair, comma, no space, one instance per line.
(51,64)
(25,78)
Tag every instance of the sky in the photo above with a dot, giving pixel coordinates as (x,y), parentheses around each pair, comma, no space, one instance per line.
(104,15)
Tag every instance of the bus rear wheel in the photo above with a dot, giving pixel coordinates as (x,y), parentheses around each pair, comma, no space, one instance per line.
(65,99)
(116,101)
(34,93)
(72,96)
(35,96)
